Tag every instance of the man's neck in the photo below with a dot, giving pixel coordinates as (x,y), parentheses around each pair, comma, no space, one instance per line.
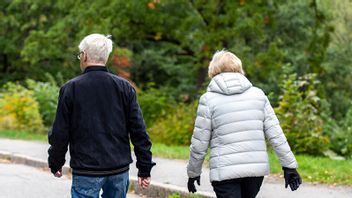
(94,64)
(89,64)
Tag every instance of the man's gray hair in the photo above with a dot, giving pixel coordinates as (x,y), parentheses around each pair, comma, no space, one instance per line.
(97,47)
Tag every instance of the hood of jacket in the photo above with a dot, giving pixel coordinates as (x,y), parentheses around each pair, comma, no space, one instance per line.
(229,83)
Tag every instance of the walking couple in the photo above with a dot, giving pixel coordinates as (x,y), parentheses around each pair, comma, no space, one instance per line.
(98,114)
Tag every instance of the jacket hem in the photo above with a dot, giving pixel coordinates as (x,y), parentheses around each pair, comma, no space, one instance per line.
(97,173)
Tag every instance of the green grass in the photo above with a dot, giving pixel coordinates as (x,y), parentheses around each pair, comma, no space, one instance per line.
(312,169)
(23,135)
(173,152)
(319,169)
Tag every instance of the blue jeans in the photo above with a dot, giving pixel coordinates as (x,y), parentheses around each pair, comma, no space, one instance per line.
(114,186)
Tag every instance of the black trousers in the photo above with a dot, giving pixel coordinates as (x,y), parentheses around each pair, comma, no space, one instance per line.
(247,187)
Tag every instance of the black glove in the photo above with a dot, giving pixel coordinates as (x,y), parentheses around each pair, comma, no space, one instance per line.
(191,186)
(292,178)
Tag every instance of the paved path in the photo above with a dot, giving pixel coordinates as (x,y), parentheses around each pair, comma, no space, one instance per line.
(18,181)
(174,172)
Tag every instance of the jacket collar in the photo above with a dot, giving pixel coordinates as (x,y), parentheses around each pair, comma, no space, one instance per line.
(95,68)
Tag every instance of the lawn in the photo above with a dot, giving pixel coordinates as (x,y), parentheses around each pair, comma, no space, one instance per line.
(312,169)
(22,135)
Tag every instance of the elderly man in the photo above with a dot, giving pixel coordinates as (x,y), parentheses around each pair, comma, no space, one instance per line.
(97,114)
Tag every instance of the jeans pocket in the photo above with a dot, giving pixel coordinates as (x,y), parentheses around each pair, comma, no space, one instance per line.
(88,186)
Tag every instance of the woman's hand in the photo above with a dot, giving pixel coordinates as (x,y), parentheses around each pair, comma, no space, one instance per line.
(292,178)
(191,186)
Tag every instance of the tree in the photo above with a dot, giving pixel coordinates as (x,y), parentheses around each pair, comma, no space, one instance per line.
(336,76)
(171,46)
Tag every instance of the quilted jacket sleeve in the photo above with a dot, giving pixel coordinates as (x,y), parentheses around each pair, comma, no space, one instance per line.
(277,139)
(200,139)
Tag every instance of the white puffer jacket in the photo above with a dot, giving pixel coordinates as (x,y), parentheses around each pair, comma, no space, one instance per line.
(235,117)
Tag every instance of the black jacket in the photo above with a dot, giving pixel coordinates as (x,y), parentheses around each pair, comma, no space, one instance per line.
(96,117)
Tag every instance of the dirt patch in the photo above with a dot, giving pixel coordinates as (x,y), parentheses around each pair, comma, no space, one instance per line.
(5,161)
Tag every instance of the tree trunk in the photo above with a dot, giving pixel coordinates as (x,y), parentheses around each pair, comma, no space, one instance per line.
(201,76)
(5,63)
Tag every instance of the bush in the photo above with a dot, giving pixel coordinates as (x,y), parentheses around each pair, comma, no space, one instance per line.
(19,110)
(342,140)
(177,127)
(46,95)
(299,114)
(154,104)
(340,133)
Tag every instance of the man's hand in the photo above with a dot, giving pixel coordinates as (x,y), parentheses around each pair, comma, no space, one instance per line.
(144,182)
(292,178)
(58,173)
(191,186)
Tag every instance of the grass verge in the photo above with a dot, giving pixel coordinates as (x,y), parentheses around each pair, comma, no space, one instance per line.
(312,169)
(23,135)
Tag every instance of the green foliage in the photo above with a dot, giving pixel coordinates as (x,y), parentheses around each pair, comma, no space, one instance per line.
(339,133)
(19,110)
(172,47)
(46,94)
(299,114)
(174,195)
(337,69)
(57,80)
(36,40)
(343,138)
(154,104)
(177,126)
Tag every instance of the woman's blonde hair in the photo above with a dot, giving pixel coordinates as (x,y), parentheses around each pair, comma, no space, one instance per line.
(224,61)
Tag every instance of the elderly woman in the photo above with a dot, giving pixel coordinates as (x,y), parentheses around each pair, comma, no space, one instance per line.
(234,117)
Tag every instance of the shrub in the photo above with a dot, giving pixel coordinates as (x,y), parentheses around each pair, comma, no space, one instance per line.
(177,127)
(154,104)
(19,110)
(47,95)
(340,133)
(299,114)
(342,141)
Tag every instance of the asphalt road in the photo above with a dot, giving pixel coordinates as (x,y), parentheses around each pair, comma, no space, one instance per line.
(19,181)
(167,171)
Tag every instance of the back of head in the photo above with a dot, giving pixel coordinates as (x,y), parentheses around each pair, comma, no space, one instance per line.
(227,74)
(224,61)
(97,47)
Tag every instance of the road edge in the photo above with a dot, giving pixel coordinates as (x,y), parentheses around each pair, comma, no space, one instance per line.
(156,189)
